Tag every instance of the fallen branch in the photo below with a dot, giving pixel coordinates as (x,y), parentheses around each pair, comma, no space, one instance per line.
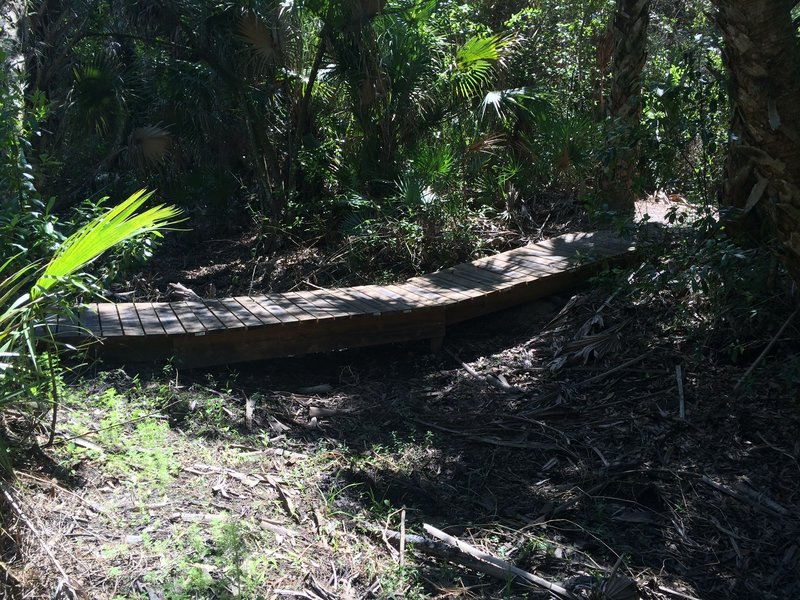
(494,441)
(757,501)
(436,549)
(67,589)
(497,566)
(566,505)
(766,350)
(676,593)
(624,365)
(489,380)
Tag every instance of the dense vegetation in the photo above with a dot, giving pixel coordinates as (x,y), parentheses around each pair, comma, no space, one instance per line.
(398,135)
(335,119)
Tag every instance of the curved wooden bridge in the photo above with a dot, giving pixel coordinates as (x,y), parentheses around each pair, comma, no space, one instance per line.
(246,328)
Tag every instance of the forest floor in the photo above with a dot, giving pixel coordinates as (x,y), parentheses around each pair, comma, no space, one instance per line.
(565,437)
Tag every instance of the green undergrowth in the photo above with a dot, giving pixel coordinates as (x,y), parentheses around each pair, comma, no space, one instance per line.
(713,294)
(188,502)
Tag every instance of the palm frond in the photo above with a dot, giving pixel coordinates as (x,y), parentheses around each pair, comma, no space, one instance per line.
(254,32)
(476,60)
(434,162)
(522,102)
(149,145)
(419,11)
(106,231)
(97,97)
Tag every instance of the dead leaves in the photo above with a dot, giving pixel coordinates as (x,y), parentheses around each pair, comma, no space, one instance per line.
(592,341)
(250,481)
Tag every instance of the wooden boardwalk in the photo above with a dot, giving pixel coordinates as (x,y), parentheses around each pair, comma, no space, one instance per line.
(246,328)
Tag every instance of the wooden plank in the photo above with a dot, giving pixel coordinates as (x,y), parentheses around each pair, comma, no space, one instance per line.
(50,326)
(149,319)
(205,316)
(549,254)
(225,316)
(291,308)
(453,294)
(561,241)
(327,300)
(436,296)
(518,263)
(262,314)
(397,301)
(544,257)
(321,320)
(244,315)
(238,345)
(377,303)
(110,325)
(69,325)
(600,243)
(525,292)
(602,240)
(89,319)
(46,330)
(520,277)
(169,321)
(190,321)
(277,311)
(363,307)
(414,299)
(580,252)
(497,281)
(129,319)
(454,283)
(303,301)
(552,262)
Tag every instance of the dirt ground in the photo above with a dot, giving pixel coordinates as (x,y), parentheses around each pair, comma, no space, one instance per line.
(566,437)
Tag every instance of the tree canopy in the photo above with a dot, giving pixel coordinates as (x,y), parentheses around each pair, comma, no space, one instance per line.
(307,144)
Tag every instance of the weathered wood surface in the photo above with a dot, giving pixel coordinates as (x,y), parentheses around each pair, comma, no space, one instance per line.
(243,328)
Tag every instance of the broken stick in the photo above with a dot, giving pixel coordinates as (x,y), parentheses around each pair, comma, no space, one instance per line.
(497,566)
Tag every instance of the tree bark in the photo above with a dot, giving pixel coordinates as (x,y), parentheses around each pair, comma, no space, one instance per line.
(762,53)
(630,50)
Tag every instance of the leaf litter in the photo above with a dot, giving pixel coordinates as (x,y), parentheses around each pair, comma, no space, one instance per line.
(499,474)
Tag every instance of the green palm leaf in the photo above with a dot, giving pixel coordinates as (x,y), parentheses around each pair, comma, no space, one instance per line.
(20,312)
(476,60)
(119,224)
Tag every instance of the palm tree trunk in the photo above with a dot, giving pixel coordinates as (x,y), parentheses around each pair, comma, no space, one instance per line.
(630,50)
(762,54)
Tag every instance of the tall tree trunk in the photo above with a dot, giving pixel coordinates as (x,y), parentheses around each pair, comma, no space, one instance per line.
(762,53)
(630,50)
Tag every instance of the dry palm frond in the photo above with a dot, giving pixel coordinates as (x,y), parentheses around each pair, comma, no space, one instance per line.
(561,319)
(254,32)
(589,345)
(490,144)
(149,145)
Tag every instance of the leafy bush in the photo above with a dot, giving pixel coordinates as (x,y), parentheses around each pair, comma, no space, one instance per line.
(31,294)
(725,296)
(413,231)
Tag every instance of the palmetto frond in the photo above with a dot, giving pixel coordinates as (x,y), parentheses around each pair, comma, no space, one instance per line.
(149,145)
(21,313)
(523,103)
(274,40)
(434,162)
(476,61)
(119,224)
(97,94)
(254,32)
(419,11)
